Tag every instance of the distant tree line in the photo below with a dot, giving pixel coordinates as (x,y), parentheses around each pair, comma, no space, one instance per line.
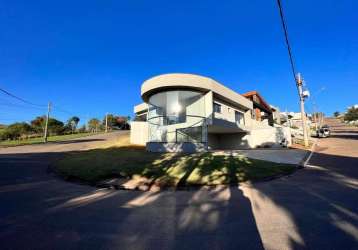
(36,128)
(350,115)
(114,122)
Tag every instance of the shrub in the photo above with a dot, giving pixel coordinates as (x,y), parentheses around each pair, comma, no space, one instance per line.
(16,130)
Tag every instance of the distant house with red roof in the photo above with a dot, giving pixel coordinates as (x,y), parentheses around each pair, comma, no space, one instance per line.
(261,109)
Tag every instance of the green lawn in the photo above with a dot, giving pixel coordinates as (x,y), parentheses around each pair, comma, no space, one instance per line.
(166,169)
(38,140)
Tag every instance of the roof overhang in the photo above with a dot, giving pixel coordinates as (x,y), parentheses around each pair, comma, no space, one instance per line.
(143,107)
(194,82)
(263,104)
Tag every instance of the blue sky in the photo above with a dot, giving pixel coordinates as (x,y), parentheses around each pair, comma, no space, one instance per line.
(90,57)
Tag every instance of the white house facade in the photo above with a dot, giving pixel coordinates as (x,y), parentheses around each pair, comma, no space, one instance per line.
(190,113)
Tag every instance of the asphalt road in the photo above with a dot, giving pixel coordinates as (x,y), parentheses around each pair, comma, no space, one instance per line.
(316,208)
(30,163)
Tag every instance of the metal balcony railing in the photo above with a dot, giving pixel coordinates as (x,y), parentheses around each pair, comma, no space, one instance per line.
(196,132)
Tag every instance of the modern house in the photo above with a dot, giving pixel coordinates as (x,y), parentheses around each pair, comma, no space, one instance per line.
(185,112)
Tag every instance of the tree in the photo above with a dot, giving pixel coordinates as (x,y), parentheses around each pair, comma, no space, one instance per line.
(82,129)
(351,115)
(72,123)
(120,122)
(336,114)
(38,124)
(94,124)
(54,126)
(111,121)
(16,130)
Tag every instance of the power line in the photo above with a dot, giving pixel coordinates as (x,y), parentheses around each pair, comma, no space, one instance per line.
(56,108)
(284,26)
(20,106)
(14,119)
(30,103)
(297,77)
(19,98)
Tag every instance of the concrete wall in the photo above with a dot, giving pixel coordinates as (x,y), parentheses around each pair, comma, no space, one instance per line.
(262,137)
(139,133)
(259,124)
(270,136)
(227,111)
(248,118)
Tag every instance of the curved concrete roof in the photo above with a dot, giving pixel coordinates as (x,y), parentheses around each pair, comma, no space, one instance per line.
(195,82)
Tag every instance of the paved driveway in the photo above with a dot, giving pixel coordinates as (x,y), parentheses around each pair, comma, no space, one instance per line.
(316,208)
(279,155)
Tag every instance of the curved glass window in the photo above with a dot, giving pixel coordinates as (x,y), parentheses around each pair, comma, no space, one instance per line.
(171,113)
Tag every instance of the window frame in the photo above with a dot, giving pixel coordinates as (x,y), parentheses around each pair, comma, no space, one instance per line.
(217,105)
(242,115)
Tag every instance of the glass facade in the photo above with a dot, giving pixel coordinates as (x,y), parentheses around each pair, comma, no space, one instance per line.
(177,116)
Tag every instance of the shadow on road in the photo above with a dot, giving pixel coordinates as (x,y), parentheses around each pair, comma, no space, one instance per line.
(321,201)
(43,212)
(56,214)
(346,131)
(76,141)
(344,136)
(46,213)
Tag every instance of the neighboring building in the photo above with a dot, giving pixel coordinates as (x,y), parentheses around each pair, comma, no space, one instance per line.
(261,109)
(294,120)
(276,115)
(185,112)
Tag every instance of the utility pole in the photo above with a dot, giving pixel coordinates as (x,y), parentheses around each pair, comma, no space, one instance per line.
(302,105)
(46,124)
(106,122)
(297,77)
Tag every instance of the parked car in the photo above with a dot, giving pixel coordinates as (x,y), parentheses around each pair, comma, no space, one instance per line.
(323,132)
